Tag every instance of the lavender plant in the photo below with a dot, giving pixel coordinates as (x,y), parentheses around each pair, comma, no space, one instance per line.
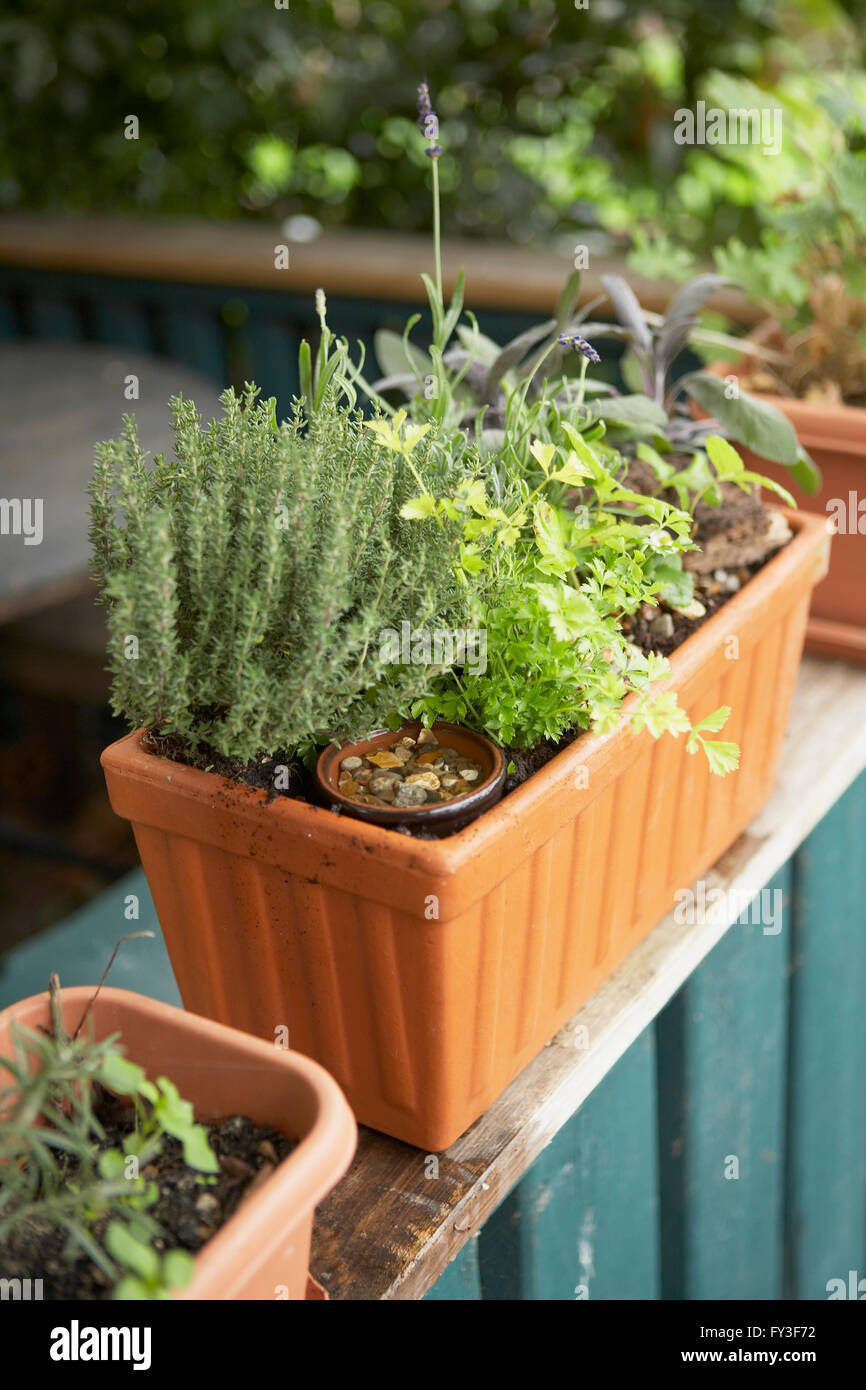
(558,547)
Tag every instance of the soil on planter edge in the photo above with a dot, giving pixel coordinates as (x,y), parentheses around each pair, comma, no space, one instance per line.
(741,517)
(190,1208)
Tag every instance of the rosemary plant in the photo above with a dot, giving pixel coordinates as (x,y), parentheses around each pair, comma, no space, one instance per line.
(247,579)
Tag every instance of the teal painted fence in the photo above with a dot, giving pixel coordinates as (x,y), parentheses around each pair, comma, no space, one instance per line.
(231,334)
(724,1156)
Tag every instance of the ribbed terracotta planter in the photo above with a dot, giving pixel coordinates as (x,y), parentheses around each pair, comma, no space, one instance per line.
(835,437)
(262,1252)
(425,974)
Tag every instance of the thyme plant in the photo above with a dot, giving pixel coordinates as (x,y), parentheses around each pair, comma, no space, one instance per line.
(248,577)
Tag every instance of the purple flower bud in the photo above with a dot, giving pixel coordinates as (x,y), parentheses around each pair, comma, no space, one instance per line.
(428,121)
(578,344)
(424,107)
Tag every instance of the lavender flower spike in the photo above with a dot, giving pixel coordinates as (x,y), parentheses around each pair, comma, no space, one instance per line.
(578,344)
(428,121)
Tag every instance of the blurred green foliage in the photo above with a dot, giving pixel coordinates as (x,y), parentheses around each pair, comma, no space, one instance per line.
(807,268)
(554,118)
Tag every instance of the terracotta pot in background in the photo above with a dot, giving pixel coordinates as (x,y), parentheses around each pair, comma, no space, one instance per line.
(835,437)
(266,1244)
(425,974)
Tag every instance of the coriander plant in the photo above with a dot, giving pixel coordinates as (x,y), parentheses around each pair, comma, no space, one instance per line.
(551,584)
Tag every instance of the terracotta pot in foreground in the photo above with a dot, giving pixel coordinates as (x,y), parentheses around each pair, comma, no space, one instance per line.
(426,974)
(835,437)
(265,1246)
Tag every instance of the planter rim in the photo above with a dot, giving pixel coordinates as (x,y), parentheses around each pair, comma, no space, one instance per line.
(306,1174)
(445,858)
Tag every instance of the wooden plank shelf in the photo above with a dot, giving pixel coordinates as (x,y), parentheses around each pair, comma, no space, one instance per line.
(400,1216)
(353,263)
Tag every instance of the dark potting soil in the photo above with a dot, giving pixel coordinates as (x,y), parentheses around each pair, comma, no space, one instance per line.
(639,630)
(190,1208)
(260,773)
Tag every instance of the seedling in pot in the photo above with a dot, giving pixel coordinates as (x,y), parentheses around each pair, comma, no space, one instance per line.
(85,1151)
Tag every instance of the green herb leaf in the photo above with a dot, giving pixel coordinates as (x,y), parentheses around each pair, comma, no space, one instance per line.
(121,1075)
(756,424)
(676,585)
(724,458)
(722,757)
(565,302)
(396,356)
(660,714)
(805,473)
(131,1253)
(178,1268)
(663,470)
(111,1164)
(636,411)
(713,724)
(197,1152)
(419,508)
(553,535)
